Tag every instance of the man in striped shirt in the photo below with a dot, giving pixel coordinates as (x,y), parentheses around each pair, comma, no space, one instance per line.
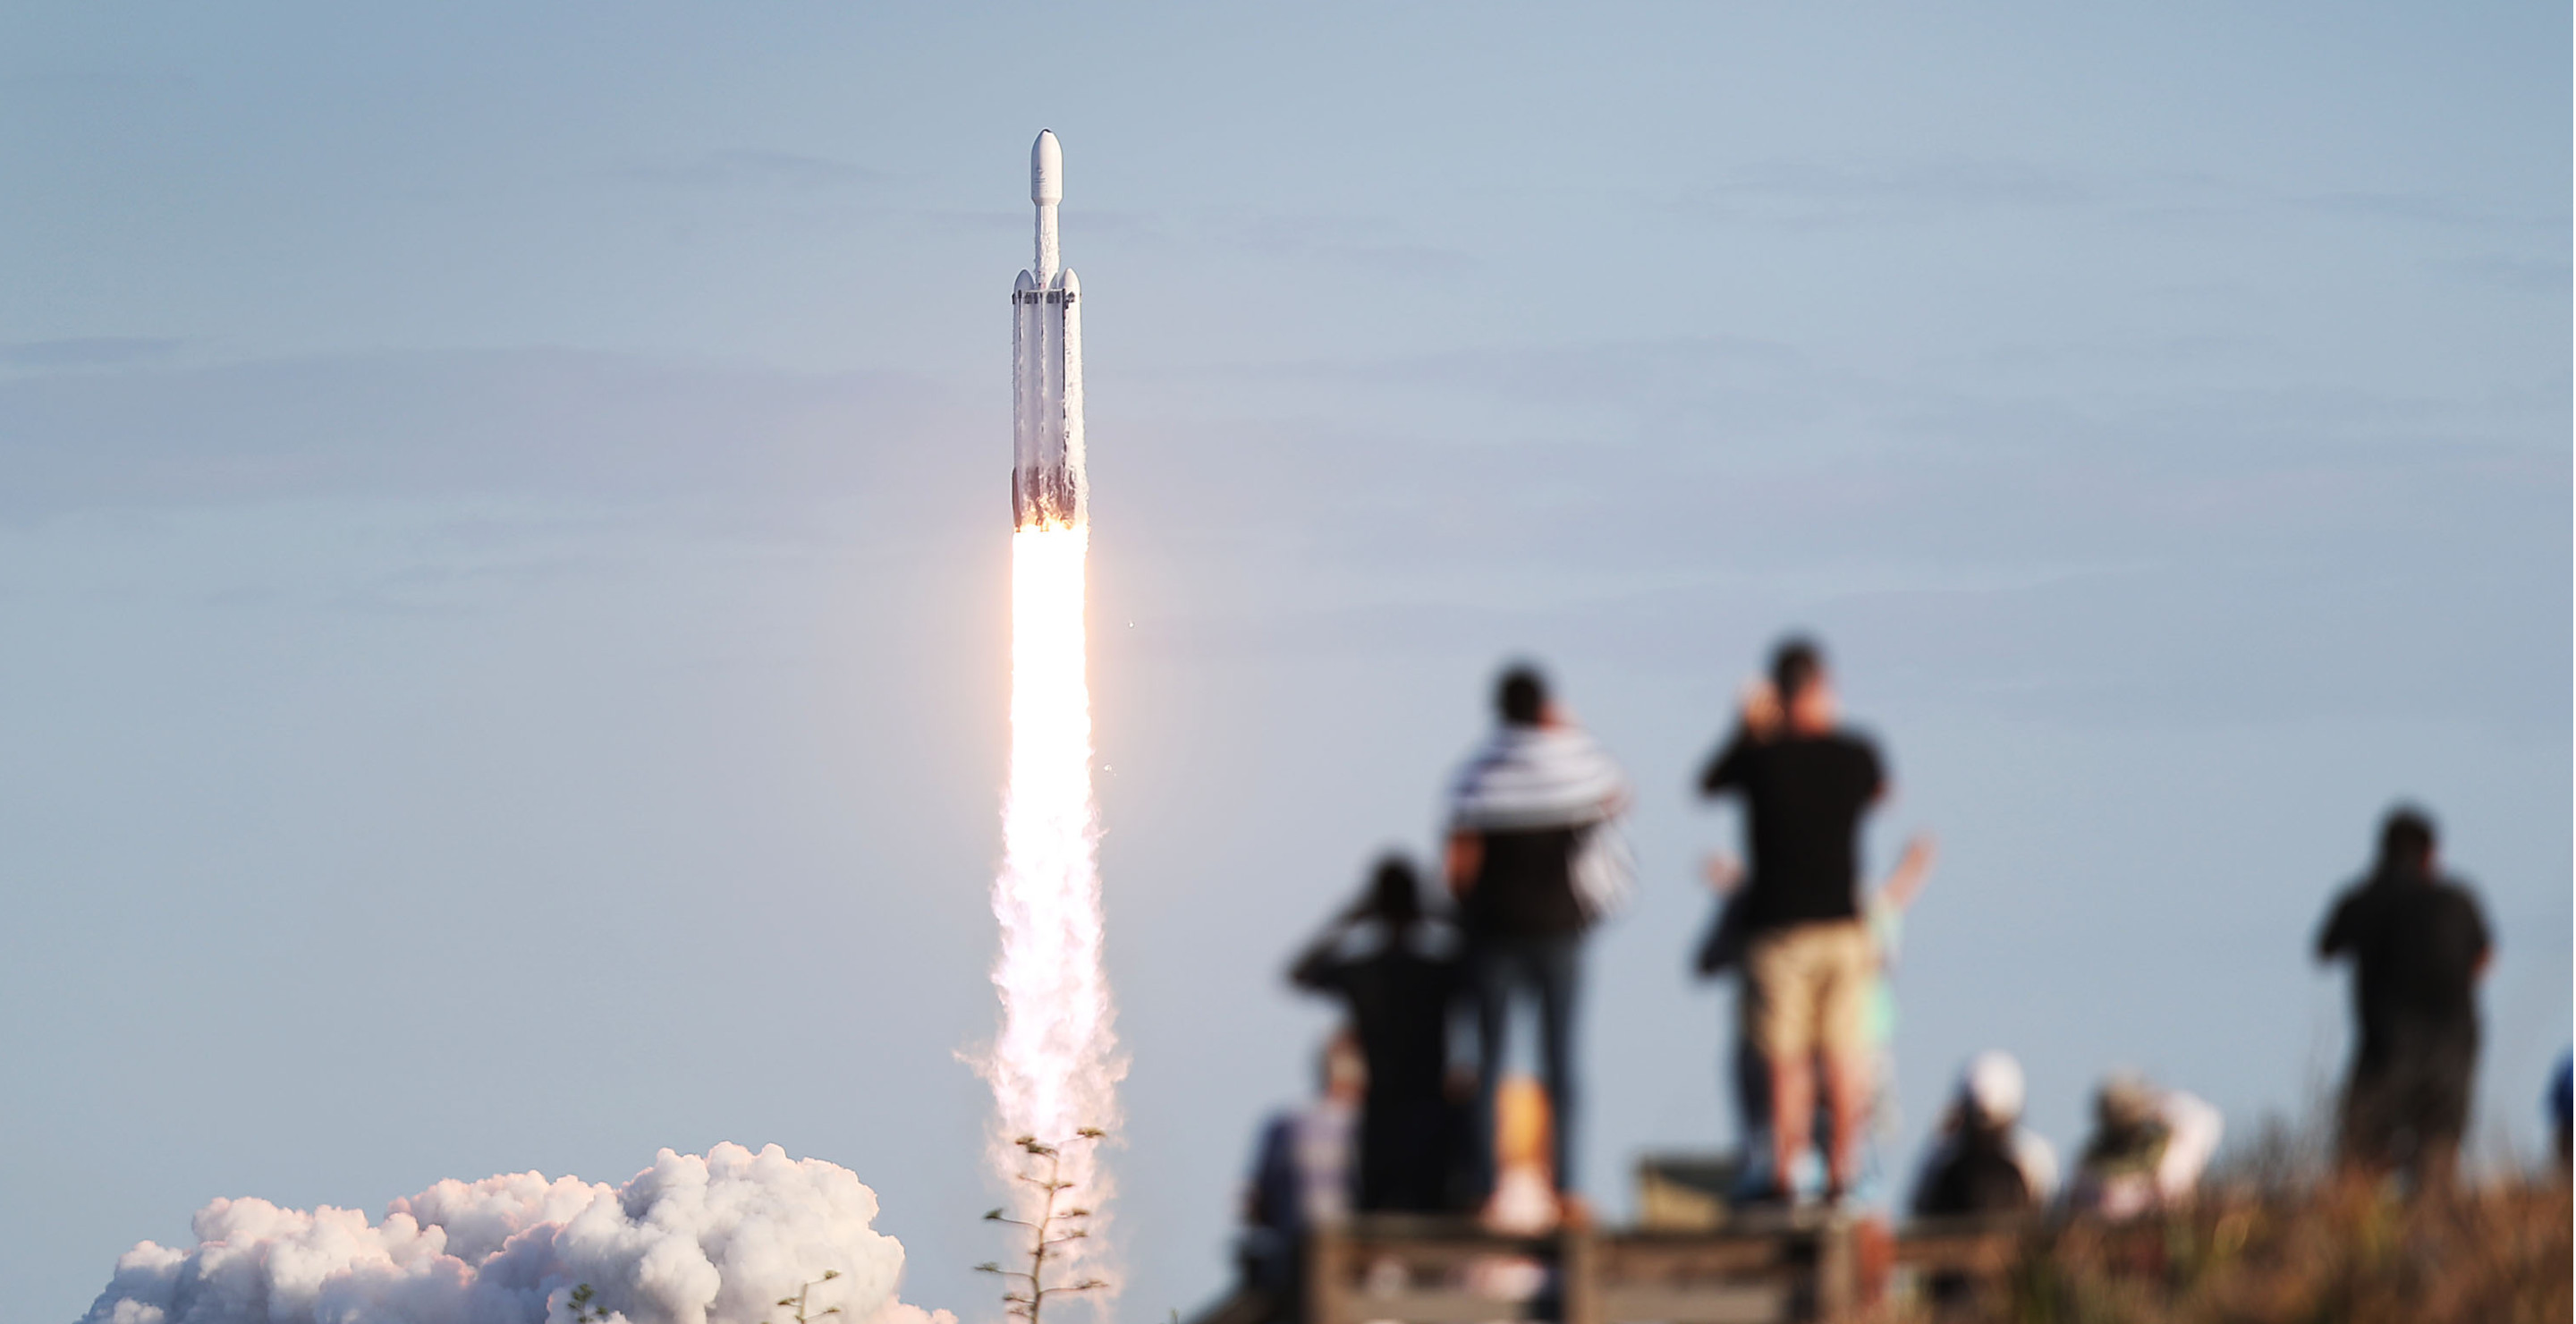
(1522,813)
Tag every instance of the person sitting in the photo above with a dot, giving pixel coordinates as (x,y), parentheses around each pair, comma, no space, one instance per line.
(1986,1161)
(1523,1203)
(2148,1149)
(1301,1177)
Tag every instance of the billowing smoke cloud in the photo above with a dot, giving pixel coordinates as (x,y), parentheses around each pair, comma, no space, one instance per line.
(691,1240)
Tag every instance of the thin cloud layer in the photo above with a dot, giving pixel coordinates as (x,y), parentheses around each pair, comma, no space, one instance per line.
(429,425)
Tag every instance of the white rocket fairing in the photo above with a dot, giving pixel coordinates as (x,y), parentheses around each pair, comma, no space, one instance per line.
(1047,486)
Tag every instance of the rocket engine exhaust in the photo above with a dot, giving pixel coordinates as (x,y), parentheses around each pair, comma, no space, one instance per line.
(1055,1066)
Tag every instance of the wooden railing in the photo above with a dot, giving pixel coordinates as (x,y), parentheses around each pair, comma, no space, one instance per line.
(1411,1270)
(1425,1272)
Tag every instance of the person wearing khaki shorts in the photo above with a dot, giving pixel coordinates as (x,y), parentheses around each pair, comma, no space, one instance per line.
(1806,991)
(1808,962)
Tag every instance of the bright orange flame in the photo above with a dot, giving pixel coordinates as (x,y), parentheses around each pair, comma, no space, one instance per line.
(1055,1068)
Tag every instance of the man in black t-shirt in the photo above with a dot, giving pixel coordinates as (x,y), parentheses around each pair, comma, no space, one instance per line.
(2418,946)
(1808,962)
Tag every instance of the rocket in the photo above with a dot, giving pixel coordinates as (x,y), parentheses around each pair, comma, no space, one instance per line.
(1047,486)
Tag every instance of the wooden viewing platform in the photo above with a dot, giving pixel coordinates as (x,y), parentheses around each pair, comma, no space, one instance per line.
(1415,1270)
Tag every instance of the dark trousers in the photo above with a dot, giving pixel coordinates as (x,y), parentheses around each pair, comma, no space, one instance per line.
(2407,1104)
(1404,1151)
(1547,965)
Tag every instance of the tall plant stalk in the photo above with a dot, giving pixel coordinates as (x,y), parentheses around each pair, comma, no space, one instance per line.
(1053,1228)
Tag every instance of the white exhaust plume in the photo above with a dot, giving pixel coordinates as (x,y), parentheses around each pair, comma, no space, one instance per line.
(1055,1067)
(691,1240)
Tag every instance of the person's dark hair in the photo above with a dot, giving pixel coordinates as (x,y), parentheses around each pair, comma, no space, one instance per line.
(1795,664)
(2406,839)
(1395,892)
(1520,695)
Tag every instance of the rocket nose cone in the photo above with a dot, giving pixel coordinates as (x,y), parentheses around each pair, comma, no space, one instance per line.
(1046,170)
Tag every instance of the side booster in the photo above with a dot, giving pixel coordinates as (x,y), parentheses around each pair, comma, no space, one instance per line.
(1048,490)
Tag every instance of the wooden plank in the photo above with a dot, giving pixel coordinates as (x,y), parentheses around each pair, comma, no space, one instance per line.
(1741,1304)
(1430,1229)
(1628,1257)
(1578,1278)
(1837,1273)
(1793,1269)
(1977,1249)
(1328,1278)
(1445,1255)
(1437,1307)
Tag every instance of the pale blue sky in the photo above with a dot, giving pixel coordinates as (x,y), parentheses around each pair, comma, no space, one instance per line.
(502,512)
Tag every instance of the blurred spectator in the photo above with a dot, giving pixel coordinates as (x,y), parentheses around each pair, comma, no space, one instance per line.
(1397,970)
(1808,960)
(1534,858)
(1983,1160)
(1757,1179)
(2560,1104)
(1524,1203)
(2148,1149)
(1524,1199)
(2418,945)
(1301,1174)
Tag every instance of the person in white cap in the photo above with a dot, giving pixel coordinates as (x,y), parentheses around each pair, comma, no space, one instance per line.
(1984,1160)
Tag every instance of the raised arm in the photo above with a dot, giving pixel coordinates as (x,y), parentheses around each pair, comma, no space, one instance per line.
(1317,968)
(1313,967)
(2335,937)
(2192,1131)
(1758,718)
(1725,769)
(1912,870)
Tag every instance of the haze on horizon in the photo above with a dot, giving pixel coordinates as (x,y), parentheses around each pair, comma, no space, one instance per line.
(503,528)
